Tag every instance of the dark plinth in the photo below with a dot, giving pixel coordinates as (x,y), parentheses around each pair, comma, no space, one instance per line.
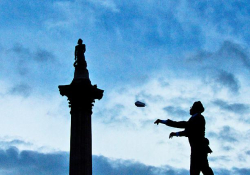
(81,96)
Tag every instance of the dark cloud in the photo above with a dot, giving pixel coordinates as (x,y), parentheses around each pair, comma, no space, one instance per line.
(21,89)
(242,171)
(248,152)
(17,162)
(241,157)
(238,171)
(43,55)
(105,166)
(175,111)
(227,135)
(25,54)
(222,171)
(228,80)
(15,142)
(20,50)
(235,51)
(238,108)
(26,61)
(216,158)
(30,68)
(220,79)
(227,148)
(202,55)
(230,56)
(221,68)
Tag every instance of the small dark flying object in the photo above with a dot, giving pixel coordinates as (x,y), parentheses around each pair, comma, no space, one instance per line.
(139,104)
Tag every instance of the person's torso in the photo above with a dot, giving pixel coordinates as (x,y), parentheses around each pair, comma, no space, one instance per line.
(195,130)
(80,49)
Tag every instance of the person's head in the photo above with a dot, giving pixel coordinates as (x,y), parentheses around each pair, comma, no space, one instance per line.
(79,41)
(196,108)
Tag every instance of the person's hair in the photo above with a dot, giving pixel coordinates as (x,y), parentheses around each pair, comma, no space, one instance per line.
(79,41)
(198,107)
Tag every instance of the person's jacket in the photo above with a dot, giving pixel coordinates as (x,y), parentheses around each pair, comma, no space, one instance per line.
(194,129)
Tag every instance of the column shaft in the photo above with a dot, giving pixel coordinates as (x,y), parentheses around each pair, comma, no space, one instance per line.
(80,143)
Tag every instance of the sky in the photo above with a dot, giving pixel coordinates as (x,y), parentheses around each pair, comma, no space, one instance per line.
(167,54)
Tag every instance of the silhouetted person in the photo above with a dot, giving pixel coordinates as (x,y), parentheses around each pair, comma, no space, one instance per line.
(79,54)
(194,129)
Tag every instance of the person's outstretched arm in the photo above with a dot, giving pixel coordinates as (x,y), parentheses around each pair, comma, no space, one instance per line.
(181,124)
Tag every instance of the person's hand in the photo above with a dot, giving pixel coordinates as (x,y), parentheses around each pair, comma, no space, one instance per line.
(172,134)
(157,121)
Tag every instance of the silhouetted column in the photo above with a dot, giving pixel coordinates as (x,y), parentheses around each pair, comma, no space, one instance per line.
(81,95)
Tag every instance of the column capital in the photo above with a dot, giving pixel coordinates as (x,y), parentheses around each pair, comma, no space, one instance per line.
(81,94)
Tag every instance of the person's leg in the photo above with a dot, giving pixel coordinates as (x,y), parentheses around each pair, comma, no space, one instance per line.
(195,167)
(206,170)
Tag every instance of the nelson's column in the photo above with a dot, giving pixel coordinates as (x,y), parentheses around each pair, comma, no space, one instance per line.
(81,96)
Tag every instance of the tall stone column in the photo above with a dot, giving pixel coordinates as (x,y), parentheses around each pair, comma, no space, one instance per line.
(81,96)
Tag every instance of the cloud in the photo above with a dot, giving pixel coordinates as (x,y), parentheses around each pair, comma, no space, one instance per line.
(19,49)
(227,137)
(176,111)
(224,158)
(230,56)
(238,108)
(43,55)
(228,134)
(127,43)
(106,166)
(21,89)
(222,69)
(29,68)
(14,142)
(17,162)
(25,54)
(112,26)
(240,171)
(228,80)
(231,50)
(248,152)
(25,61)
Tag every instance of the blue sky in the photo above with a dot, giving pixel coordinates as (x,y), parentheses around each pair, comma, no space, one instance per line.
(167,54)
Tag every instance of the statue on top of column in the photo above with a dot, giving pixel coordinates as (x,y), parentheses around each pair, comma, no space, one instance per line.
(79,54)
(80,64)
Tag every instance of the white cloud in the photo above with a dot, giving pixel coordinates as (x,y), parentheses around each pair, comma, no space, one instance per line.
(131,129)
(36,119)
(135,51)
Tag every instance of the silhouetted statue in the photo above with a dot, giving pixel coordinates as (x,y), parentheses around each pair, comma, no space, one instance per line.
(80,64)
(79,54)
(194,129)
